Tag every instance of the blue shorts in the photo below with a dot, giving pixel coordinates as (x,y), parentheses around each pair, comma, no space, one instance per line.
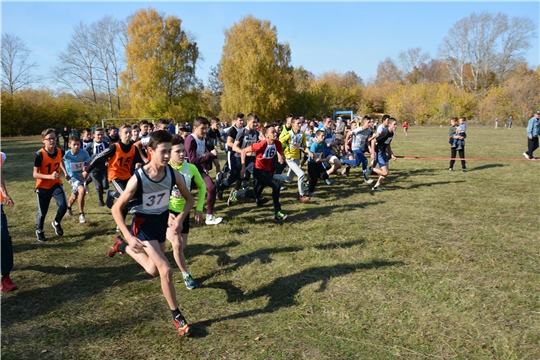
(382,159)
(147,227)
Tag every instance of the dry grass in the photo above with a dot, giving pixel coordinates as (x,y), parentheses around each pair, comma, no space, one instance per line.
(439,265)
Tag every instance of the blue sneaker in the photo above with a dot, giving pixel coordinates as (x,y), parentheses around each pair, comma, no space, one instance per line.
(190,283)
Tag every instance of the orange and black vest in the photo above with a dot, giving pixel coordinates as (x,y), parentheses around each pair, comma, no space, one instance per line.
(120,164)
(49,166)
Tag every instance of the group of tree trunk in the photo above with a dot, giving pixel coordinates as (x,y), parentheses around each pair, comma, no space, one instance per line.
(145,66)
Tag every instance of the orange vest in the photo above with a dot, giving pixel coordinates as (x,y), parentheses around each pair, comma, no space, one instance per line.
(120,164)
(49,166)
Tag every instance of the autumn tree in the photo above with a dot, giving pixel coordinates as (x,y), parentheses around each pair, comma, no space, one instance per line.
(481,49)
(255,70)
(161,60)
(16,65)
(90,66)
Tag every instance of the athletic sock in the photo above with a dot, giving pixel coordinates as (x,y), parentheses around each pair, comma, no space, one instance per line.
(122,247)
(175,313)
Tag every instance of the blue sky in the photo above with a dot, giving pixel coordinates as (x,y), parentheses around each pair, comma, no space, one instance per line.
(323,36)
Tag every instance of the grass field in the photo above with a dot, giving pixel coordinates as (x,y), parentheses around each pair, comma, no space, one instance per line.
(438,265)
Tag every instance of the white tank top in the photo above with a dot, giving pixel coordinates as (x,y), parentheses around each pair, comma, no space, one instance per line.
(153,196)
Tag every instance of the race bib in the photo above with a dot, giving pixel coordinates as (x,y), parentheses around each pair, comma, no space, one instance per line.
(175,193)
(153,201)
(269,152)
(77,166)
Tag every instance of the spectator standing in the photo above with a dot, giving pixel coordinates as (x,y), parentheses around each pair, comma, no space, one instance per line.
(510,120)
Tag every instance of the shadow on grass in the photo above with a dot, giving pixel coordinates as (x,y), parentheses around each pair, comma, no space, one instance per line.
(486,166)
(65,242)
(281,292)
(85,283)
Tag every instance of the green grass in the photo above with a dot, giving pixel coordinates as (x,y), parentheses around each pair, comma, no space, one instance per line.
(438,265)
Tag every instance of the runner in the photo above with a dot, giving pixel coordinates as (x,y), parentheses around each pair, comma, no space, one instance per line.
(197,155)
(264,168)
(293,141)
(145,242)
(177,203)
(47,165)
(7,245)
(383,150)
(74,160)
(99,174)
(358,144)
(234,171)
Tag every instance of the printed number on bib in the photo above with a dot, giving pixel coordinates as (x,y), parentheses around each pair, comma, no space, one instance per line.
(269,152)
(78,166)
(155,200)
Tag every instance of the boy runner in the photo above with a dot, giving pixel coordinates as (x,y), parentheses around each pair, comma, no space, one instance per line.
(99,174)
(233,169)
(74,160)
(358,138)
(197,154)
(121,157)
(177,202)
(264,167)
(383,150)
(150,187)
(294,140)
(316,160)
(47,165)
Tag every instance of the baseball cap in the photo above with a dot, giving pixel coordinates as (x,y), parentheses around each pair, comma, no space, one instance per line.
(537,113)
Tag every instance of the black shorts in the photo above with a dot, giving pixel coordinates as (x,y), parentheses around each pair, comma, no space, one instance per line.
(147,227)
(185,224)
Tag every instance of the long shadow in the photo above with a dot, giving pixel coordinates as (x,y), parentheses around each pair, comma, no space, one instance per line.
(486,166)
(281,292)
(87,282)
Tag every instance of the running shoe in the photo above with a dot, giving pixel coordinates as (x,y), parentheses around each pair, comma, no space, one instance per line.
(232,197)
(70,212)
(245,186)
(82,219)
(8,285)
(450,169)
(109,199)
(328,182)
(368,181)
(57,228)
(282,188)
(114,250)
(464,170)
(220,194)
(311,194)
(526,155)
(262,201)
(279,216)
(376,188)
(212,220)
(190,283)
(182,326)
(304,199)
(41,236)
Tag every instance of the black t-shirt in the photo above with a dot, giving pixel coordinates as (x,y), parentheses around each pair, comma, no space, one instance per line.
(383,140)
(233,132)
(211,138)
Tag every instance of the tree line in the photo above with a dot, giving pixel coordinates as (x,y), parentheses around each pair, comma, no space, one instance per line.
(145,66)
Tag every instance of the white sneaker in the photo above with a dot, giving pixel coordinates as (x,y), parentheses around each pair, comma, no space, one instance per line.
(526,155)
(368,181)
(212,220)
(82,219)
(328,182)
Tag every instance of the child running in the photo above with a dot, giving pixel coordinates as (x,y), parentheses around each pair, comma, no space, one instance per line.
(150,187)
(316,160)
(47,165)
(294,140)
(383,150)
(264,167)
(177,202)
(74,160)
